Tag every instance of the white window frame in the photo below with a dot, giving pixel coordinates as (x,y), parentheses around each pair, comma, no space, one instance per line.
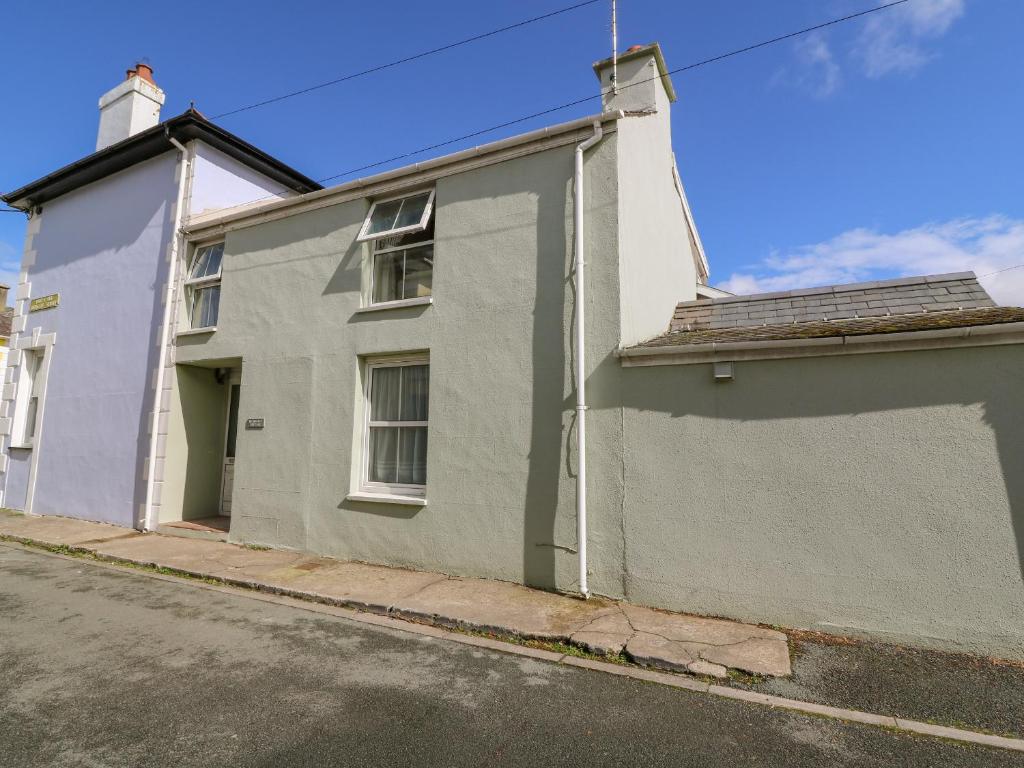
(403,302)
(421,225)
(29,383)
(394,489)
(194,285)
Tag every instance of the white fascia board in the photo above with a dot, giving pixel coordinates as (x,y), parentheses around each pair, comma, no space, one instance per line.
(398,179)
(941,338)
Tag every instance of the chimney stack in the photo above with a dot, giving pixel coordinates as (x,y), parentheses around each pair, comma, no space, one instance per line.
(644,82)
(130,107)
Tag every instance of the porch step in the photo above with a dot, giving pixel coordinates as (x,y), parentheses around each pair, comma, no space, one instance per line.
(209,528)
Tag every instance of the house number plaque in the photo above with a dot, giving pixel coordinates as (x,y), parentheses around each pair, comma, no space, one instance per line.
(254,423)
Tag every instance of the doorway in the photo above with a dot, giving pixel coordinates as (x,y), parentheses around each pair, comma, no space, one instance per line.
(230,440)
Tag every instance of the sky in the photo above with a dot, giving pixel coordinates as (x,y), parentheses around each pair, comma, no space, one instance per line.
(883,147)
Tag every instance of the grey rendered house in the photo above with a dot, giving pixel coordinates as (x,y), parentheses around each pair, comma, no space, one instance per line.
(385,371)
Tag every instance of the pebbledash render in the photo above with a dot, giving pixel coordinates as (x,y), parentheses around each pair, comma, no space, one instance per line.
(384,371)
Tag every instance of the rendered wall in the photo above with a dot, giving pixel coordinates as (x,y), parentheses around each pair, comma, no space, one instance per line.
(102,248)
(219,181)
(657,264)
(500,492)
(878,494)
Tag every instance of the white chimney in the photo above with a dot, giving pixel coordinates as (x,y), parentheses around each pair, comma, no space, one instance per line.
(129,108)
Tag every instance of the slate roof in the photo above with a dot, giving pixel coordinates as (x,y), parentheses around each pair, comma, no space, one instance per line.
(931,302)
(931,293)
(819,329)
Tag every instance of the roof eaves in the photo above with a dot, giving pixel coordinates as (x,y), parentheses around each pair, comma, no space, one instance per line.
(146,145)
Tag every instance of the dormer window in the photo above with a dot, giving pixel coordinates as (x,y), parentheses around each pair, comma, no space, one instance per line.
(203,286)
(401,231)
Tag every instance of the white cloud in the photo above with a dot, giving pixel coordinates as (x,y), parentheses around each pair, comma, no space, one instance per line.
(816,70)
(816,56)
(894,40)
(983,245)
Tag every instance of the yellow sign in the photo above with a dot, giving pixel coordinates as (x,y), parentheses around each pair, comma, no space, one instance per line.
(44,302)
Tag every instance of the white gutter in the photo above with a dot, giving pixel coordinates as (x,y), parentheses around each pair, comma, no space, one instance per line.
(257,211)
(581,388)
(149,522)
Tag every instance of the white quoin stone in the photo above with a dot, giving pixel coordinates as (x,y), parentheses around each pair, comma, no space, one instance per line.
(132,106)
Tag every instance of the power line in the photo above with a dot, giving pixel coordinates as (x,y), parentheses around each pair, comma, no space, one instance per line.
(407,59)
(1004,269)
(592,97)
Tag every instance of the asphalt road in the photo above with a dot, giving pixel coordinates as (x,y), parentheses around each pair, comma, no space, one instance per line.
(105,667)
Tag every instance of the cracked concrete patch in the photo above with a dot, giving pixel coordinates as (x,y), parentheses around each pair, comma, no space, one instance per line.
(676,641)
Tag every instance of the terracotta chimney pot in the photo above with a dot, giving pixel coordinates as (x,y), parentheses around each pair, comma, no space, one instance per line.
(145,72)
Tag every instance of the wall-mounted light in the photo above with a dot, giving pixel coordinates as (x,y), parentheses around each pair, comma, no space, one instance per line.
(221,374)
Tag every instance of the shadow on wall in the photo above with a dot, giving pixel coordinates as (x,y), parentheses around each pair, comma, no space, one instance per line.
(911,388)
(204,413)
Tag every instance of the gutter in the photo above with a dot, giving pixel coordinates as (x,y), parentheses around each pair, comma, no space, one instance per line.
(148,522)
(581,381)
(249,214)
(935,338)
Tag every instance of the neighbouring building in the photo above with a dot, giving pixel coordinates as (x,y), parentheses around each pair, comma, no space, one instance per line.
(6,316)
(384,371)
(89,309)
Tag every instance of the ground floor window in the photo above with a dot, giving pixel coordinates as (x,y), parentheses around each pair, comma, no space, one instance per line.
(396,426)
(29,393)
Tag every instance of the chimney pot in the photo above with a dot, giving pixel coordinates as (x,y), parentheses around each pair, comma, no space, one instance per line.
(633,48)
(129,74)
(145,72)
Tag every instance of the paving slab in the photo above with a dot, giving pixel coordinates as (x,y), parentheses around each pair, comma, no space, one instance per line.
(497,606)
(370,587)
(677,641)
(59,531)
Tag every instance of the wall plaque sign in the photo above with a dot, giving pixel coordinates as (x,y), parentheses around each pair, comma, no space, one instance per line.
(44,302)
(254,423)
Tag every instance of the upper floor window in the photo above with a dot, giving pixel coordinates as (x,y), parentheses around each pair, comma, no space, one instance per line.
(398,216)
(402,231)
(203,286)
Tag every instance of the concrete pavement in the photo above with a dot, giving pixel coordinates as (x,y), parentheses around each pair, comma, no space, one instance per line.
(652,638)
(110,667)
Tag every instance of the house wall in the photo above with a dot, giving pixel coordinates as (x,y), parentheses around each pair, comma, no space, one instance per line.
(500,496)
(878,494)
(100,248)
(219,180)
(657,265)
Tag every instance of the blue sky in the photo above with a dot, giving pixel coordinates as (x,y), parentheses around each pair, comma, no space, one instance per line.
(884,147)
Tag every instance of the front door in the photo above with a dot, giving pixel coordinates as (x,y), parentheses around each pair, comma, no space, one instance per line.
(229,448)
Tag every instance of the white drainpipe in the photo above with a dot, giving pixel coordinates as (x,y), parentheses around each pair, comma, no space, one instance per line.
(581,390)
(148,521)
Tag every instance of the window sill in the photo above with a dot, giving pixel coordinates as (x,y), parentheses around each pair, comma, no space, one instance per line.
(197,331)
(387,498)
(417,302)
(21,446)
